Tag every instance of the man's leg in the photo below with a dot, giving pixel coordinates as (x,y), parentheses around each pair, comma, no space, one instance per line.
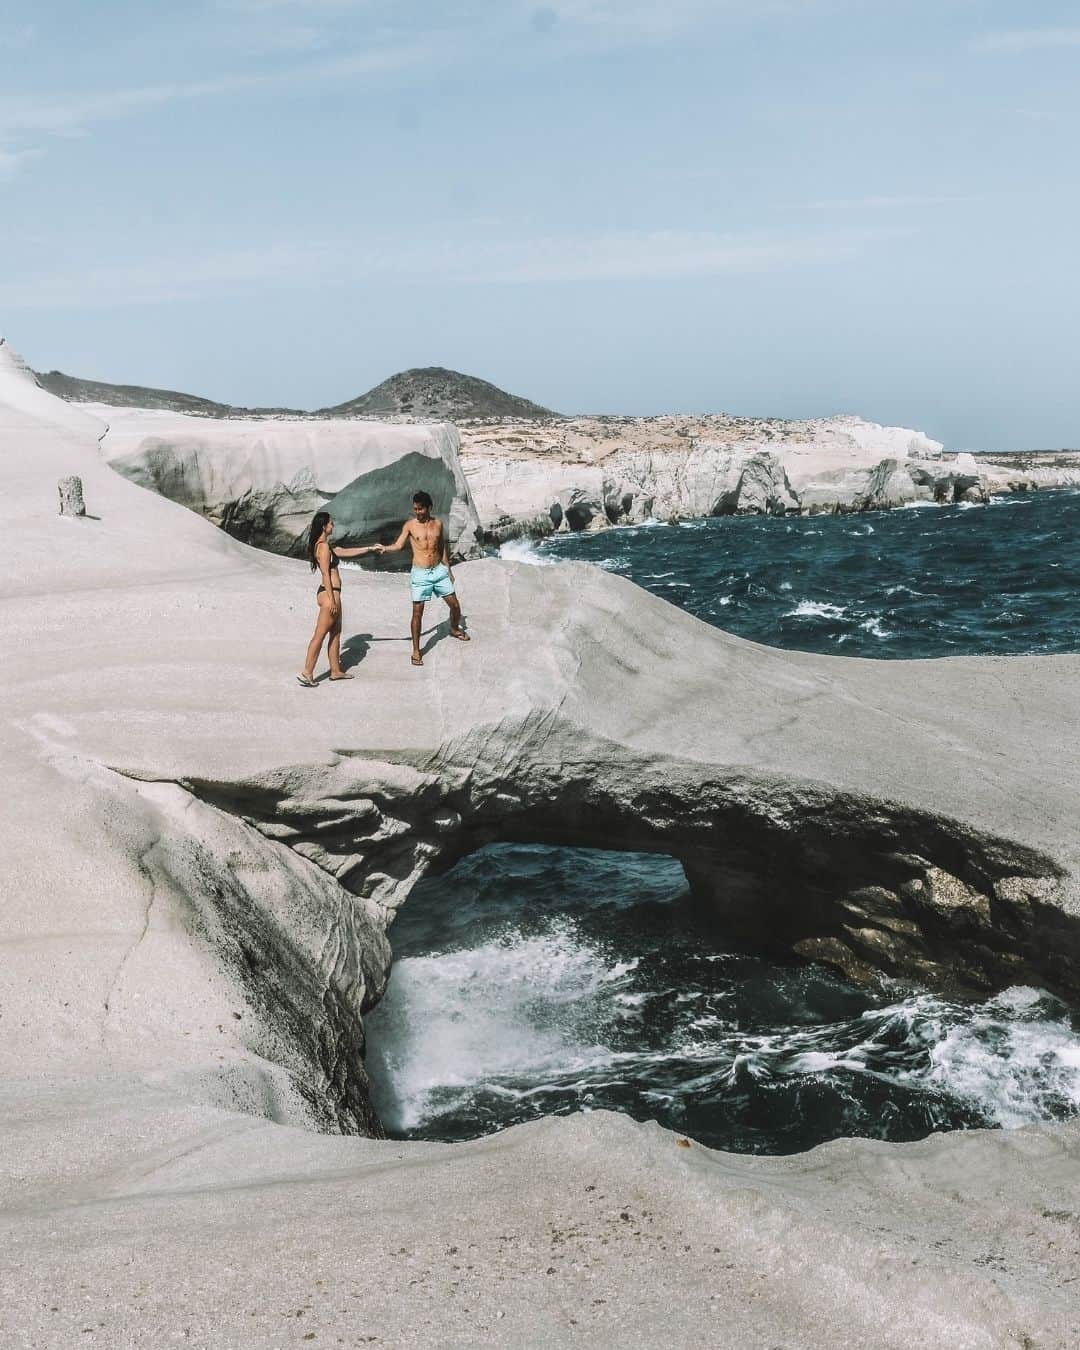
(455,618)
(415,626)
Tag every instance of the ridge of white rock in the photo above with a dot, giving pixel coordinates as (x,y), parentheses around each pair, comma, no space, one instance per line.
(589,473)
(198,860)
(262,479)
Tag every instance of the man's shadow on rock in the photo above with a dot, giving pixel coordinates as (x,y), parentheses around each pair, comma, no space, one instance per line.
(436,634)
(354,649)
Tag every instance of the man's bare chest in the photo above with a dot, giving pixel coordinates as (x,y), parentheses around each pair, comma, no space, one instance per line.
(426,537)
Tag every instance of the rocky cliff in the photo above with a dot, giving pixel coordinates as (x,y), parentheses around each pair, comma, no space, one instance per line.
(588,473)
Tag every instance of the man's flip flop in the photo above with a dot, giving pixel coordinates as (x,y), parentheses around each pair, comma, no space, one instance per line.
(308,684)
(417,661)
(343,676)
(461,637)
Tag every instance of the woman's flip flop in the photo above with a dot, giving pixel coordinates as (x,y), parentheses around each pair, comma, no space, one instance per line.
(308,684)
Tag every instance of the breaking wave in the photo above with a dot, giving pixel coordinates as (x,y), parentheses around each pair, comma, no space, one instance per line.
(533,981)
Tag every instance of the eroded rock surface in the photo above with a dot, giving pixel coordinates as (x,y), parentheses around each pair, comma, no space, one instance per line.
(198,860)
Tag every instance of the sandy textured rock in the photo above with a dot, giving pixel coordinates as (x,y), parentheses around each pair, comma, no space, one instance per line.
(262,479)
(198,859)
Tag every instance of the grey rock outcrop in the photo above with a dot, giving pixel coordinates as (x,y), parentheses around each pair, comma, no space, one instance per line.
(763,489)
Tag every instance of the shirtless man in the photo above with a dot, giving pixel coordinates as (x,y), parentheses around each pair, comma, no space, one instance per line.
(431,574)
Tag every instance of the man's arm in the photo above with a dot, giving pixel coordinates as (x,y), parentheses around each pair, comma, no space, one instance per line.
(400,542)
(445,552)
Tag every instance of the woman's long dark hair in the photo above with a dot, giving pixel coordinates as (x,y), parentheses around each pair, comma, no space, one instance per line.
(318,524)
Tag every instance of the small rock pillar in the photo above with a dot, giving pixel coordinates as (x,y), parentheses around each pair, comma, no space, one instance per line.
(71,497)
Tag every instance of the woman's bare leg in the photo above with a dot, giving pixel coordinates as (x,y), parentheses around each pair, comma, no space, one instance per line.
(333,649)
(323,624)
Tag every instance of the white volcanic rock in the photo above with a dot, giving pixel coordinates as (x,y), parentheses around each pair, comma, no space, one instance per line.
(525,477)
(1030,471)
(198,860)
(763,488)
(262,479)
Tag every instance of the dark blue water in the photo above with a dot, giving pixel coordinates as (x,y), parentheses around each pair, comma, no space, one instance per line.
(533,981)
(1002,579)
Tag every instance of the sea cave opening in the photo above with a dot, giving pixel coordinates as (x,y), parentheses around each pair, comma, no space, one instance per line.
(533,980)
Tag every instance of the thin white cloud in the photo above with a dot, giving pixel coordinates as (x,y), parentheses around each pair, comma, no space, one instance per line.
(17,37)
(73,114)
(879,203)
(11,161)
(658,255)
(157,280)
(1027,39)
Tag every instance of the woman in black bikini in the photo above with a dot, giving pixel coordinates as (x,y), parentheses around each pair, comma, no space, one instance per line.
(324,559)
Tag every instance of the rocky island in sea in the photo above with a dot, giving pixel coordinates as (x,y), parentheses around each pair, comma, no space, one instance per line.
(200,867)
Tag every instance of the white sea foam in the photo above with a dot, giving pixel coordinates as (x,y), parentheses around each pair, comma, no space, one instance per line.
(1006,1058)
(523,550)
(1019,1072)
(520,1005)
(874,627)
(816,609)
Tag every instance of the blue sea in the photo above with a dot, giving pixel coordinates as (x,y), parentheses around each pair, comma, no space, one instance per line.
(533,980)
(1001,579)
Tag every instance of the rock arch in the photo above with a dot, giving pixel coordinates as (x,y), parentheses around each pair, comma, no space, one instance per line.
(795,867)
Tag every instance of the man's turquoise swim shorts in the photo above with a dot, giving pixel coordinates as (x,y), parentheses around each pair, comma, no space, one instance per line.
(429,581)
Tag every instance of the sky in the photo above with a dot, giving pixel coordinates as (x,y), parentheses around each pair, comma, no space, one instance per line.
(768,207)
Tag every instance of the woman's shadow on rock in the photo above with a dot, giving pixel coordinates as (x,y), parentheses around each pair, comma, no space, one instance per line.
(354,649)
